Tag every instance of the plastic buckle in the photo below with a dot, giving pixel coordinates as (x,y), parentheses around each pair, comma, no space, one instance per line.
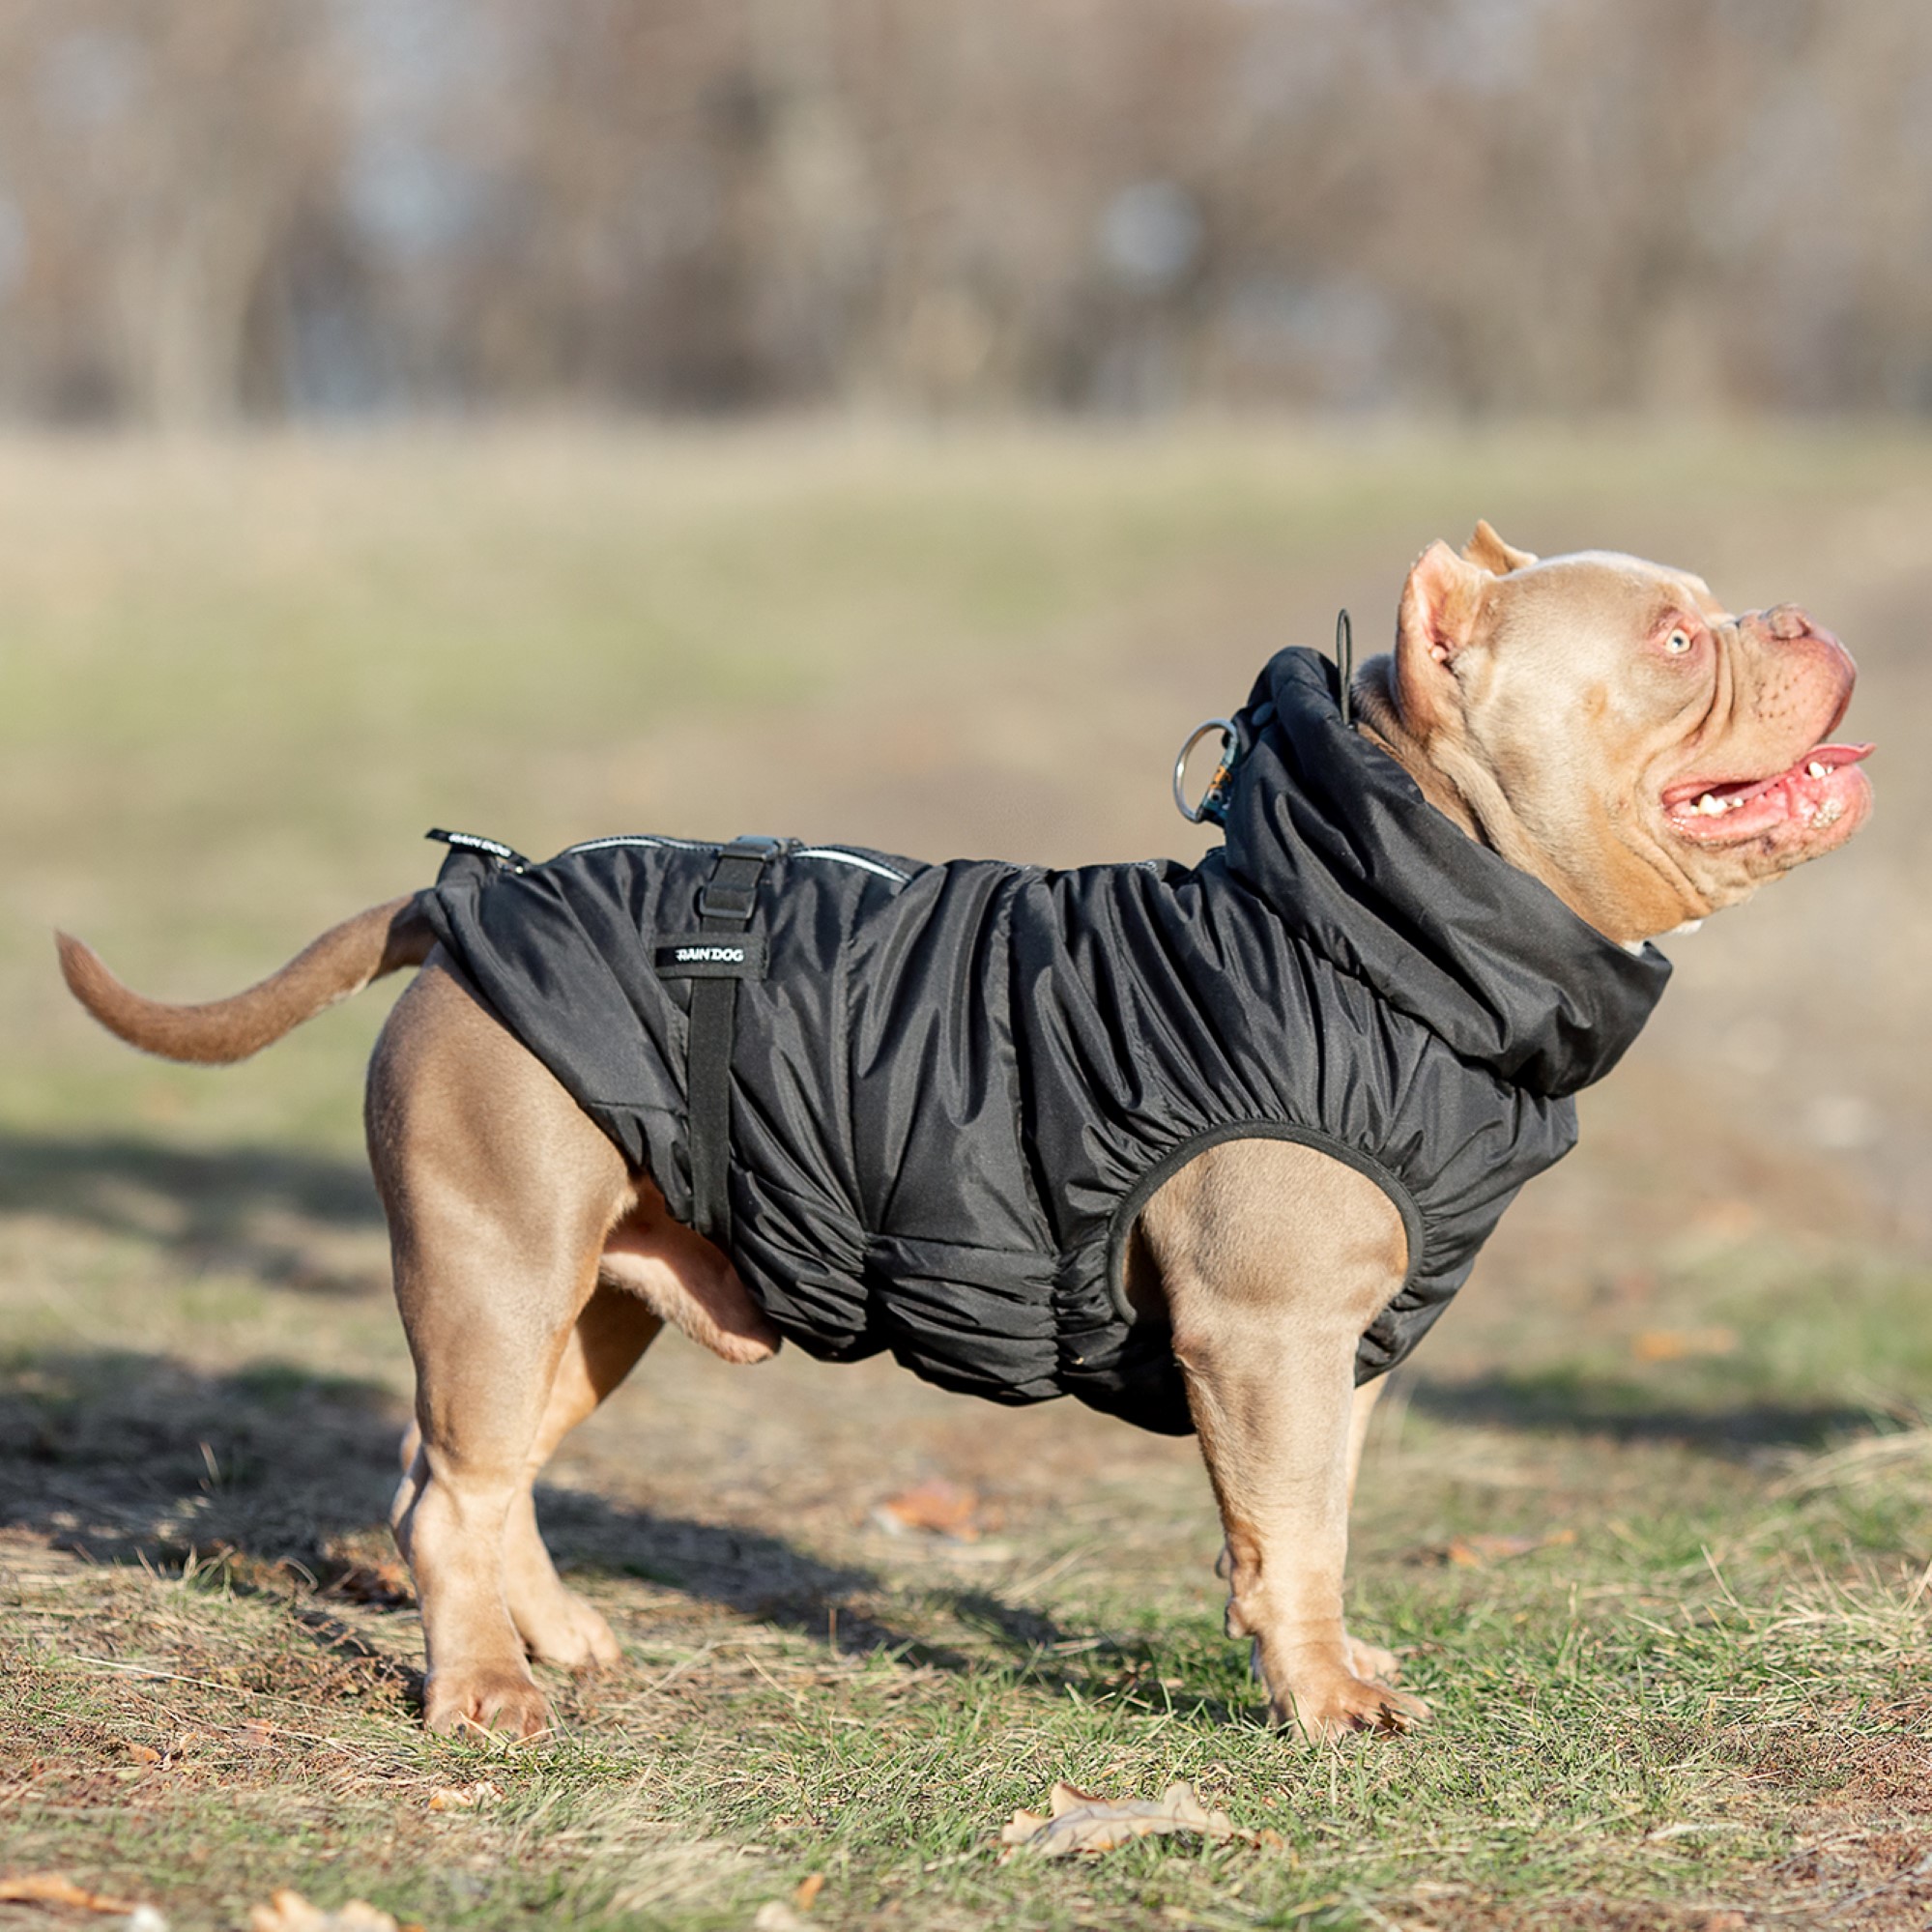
(758,847)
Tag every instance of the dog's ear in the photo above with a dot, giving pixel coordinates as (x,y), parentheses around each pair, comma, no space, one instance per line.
(1489,550)
(1441,604)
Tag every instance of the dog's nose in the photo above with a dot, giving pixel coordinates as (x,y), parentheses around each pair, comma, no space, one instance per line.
(1787,623)
(1791,625)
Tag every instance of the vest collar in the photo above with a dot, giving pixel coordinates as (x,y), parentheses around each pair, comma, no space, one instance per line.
(1338,840)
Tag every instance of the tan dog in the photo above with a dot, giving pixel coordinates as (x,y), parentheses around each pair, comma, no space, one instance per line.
(1600,722)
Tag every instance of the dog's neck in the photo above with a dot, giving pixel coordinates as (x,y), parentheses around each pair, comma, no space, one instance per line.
(1381,723)
(1458,784)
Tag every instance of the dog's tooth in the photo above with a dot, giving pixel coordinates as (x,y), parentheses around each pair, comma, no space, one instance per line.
(1817,768)
(1709,806)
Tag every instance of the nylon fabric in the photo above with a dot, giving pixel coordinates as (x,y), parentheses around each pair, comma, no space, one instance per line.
(956,1084)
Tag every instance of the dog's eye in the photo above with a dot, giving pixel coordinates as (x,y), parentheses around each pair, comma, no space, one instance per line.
(1677,643)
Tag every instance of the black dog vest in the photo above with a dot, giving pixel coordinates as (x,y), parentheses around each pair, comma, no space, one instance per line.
(951,1088)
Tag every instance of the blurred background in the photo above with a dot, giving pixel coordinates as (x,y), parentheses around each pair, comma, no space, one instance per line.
(319,209)
(899,423)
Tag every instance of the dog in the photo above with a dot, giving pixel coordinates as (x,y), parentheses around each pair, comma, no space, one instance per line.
(1208,1147)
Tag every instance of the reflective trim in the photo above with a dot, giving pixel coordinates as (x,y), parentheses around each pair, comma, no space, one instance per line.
(640,839)
(837,854)
(839,857)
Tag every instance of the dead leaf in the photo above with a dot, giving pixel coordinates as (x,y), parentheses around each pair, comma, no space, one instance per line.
(289,1912)
(1082,1820)
(776,1915)
(144,1754)
(256,1735)
(384,1585)
(56,1888)
(465,1796)
(1474,1552)
(1674,1345)
(937,1507)
(809,1888)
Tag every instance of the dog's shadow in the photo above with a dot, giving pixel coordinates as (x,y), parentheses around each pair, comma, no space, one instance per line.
(276,1478)
(1626,1410)
(143,1458)
(260,1211)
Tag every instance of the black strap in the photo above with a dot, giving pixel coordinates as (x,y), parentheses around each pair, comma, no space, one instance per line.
(725,905)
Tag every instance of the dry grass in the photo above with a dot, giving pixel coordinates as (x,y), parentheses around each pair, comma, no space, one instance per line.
(237,683)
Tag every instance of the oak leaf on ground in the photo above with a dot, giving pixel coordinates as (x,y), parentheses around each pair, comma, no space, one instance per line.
(465,1796)
(1082,1820)
(1474,1552)
(57,1888)
(289,1912)
(937,1507)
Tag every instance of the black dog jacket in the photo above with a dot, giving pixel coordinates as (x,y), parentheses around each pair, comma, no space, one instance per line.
(952,1088)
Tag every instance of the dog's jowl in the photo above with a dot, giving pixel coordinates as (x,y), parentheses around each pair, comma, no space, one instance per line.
(1207,1147)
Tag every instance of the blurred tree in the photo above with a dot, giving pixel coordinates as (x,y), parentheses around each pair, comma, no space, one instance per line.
(1481,205)
(157,160)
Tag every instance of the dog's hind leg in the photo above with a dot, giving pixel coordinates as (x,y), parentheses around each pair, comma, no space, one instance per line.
(653,1273)
(558,1625)
(499,1192)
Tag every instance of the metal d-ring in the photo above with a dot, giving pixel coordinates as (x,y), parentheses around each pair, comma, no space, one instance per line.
(1195,814)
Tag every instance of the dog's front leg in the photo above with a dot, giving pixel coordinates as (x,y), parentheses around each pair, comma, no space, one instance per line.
(1274,1426)
(1369,1659)
(1274,1260)
(1365,1660)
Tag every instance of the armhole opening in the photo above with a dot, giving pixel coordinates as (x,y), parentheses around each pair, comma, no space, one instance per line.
(1135,1201)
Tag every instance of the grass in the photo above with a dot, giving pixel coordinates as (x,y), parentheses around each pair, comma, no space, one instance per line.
(1648,1519)
(1698,1687)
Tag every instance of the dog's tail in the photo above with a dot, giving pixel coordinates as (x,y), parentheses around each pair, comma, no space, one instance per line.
(343,961)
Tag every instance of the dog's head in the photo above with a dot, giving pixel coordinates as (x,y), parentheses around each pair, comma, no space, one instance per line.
(1607,725)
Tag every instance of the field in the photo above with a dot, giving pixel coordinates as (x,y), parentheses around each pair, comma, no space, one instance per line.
(1649,1518)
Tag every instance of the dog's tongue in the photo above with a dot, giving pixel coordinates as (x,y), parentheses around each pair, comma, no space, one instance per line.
(1810,783)
(1835,755)
(1815,790)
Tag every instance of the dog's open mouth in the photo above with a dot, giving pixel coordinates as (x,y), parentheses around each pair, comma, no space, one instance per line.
(1812,795)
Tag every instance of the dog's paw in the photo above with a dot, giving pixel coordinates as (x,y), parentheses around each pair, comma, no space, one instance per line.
(565,1629)
(1373,1660)
(1342,1706)
(484,1700)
